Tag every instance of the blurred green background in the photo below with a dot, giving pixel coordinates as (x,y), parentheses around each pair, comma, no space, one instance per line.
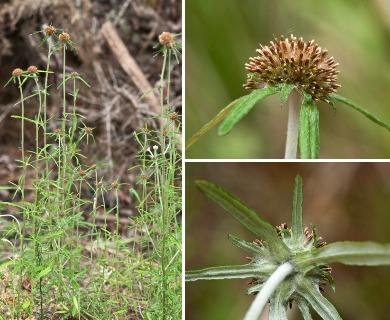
(221,35)
(345,201)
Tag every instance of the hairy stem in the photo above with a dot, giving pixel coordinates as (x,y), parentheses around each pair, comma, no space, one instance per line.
(292,126)
(267,290)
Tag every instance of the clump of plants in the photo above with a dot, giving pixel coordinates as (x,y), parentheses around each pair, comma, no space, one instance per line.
(289,264)
(59,262)
(302,74)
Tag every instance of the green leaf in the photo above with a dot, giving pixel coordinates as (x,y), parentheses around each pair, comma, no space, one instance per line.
(279,301)
(362,110)
(285,91)
(304,307)
(218,118)
(26,304)
(230,272)
(246,246)
(242,108)
(309,130)
(353,253)
(43,273)
(247,217)
(309,291)
(297,222)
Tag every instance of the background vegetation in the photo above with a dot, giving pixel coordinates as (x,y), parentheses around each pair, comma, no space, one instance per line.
(345,201)
(222,35)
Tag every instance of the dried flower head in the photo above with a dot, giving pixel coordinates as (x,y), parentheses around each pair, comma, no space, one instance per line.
(88,130)
(50,30)
(166,38)
(58,130)
(82,173)
(64,37)
(295,62)
(17,72)
(114,185)
(32,69)
(74,74)
(173,116)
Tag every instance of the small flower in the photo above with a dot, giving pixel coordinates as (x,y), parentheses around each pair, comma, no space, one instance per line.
(74,74)
(58,131)
(17,72)
(82,173)
(64,37)
(32,69)
(166,38)
(99,184)
(88,130)
(50,30)
(296,62)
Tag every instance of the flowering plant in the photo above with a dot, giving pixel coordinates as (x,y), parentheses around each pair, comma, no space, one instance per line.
(302,74)
(288,264)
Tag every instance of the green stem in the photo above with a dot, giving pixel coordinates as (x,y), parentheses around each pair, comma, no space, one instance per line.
(292,126)
(267,290)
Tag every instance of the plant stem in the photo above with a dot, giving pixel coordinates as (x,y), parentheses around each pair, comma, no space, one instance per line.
(267,290)
(292,126)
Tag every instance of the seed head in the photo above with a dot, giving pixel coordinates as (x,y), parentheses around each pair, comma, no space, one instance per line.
(295,62)
(64,37)
(50,30)
(166,38)
(82,173)
(114,185)
(17,72)
(88,130)
(57,131)
(173,116)
(74,74)
(32,69)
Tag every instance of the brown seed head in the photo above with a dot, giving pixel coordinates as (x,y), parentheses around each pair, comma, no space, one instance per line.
(88,130)
(100,184)
(17,72)
(173,116)
(57,131)
(61,214)
(32,69)
(166,38)
(74,74)
(82,173)
(50,30)
(290,61)
(64,37)
(114,185)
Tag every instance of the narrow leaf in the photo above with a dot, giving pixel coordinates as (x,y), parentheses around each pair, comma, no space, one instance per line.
(218,118)
(246,246)
(297,223)
(304,307)
(354,253)
(43,273)
(279,301)
(285,91)
(246,216)
(309,137)
(243,107)
(230,272)
(362,110)
(309,290)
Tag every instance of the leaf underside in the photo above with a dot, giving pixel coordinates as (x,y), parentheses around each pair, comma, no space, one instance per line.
(246,216)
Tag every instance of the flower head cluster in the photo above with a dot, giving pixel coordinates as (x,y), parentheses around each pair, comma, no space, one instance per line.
(295,62)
